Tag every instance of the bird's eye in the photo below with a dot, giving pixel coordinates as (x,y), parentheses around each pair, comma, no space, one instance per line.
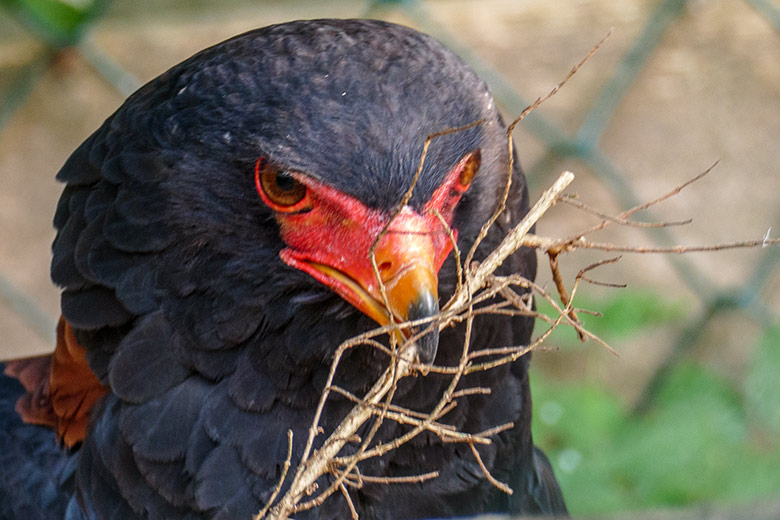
(279,189)
(470,167)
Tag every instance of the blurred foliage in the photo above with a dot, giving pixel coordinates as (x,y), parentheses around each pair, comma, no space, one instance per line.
(704,439)
(622,314)
(763,382)
(58,22)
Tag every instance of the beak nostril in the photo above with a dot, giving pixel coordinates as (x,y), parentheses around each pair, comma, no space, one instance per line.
(385,267)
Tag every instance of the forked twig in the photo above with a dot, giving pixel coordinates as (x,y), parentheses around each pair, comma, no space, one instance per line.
(501,206)
(500,485)
(279,485)
(479,291)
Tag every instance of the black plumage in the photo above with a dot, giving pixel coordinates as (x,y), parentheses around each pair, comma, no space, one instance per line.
(211,346)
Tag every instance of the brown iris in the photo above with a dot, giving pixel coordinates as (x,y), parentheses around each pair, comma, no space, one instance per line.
(470,168)
(279,188)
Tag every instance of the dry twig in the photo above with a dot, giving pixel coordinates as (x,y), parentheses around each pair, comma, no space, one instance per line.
(479,291)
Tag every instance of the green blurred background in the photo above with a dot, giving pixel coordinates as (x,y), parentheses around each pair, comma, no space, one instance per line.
(688,416)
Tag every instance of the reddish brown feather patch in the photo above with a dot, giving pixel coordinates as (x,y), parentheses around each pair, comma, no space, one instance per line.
(61,388)
(34,407)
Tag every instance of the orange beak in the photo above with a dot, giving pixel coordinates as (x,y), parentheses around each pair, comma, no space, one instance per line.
(406,263)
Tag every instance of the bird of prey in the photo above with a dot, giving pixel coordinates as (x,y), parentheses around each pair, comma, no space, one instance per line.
(212,247)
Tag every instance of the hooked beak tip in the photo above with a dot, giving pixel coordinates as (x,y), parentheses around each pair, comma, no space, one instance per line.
(425,306)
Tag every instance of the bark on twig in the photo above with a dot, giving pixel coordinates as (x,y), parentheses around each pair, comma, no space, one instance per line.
(479,291)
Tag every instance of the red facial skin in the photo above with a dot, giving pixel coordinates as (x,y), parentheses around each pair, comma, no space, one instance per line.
(329,235)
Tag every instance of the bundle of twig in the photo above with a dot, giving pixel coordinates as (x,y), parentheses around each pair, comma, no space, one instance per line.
(477,284)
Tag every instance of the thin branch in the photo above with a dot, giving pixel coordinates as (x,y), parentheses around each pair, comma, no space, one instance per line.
(477,390)
(561,286)
(621,221)
(412,479)
(495,430)
(513,241)
(501,206)
(602,284)
(500,485)
(479,291)
(546,244)
(404,200)
(677,249)
(646,205)
(279,484)
(670,194)
(533,106)
(352,509)
(455,249)
(591,267)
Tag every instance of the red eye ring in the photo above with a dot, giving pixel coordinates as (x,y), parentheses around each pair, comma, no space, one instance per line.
(280,190)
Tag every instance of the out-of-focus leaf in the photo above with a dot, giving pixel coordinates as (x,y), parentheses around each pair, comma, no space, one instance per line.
(683,450)
(762,387)
(580,414)
(60,22)
(754,473)
(629,311)
(693,384)
(577,425)
(693,446)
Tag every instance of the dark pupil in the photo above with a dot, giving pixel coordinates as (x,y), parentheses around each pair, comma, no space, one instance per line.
(285,182)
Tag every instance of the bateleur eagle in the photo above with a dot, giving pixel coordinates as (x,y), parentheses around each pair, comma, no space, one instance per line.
(213,246)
